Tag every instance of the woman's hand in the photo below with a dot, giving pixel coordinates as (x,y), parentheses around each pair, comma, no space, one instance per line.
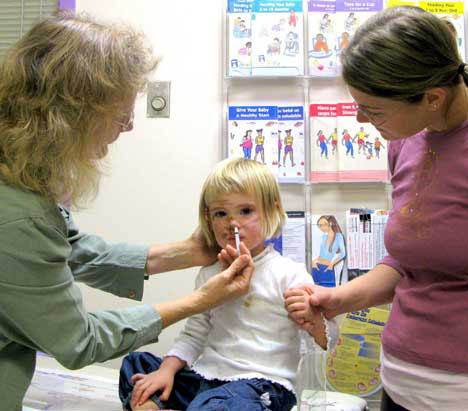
(231,283)
(227,255)
(202,254)
(322,299)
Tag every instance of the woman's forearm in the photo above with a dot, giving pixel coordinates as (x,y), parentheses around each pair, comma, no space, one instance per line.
(169,257)
(181,254)
(374,288)
(176,310)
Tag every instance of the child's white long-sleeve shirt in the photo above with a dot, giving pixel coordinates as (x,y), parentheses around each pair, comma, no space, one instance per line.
(251,337)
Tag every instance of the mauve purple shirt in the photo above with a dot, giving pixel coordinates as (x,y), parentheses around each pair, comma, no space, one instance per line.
(427,241)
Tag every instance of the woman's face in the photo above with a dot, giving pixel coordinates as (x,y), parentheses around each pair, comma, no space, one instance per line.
(120,124)
(393,119)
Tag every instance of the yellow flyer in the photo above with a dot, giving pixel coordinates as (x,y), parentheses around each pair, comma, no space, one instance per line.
(353,367)
(451,11)
(436,7)
(443,7)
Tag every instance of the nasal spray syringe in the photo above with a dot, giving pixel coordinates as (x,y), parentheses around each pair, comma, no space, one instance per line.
(237,238)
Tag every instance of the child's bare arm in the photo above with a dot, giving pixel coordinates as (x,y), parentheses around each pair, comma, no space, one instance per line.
(316,328)
(309,318)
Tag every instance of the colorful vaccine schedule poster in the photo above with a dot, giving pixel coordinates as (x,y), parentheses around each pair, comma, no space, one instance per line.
(353,367)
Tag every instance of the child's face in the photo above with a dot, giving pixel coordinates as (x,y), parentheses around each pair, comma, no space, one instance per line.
(241,211)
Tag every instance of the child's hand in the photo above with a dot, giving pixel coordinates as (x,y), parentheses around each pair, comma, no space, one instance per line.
(145,385)
(307,317)
(321,299)
(296,302)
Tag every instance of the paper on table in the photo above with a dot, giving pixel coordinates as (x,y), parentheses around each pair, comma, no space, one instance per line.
(64,390)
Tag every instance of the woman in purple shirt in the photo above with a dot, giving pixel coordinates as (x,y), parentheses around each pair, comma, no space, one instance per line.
(404,71)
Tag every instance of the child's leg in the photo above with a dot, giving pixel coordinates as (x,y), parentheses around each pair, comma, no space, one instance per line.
(245,395)
(147,406)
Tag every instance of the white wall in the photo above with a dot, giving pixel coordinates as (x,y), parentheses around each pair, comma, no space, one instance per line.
(156,171)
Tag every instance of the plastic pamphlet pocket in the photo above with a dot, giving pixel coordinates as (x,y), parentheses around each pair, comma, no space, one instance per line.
(346,378)
(311,384)
(315,393)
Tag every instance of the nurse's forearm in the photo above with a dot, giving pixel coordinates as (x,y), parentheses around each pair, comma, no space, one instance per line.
(176,310)
(169,257)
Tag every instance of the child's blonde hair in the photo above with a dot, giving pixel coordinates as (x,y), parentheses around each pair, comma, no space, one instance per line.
(243,176)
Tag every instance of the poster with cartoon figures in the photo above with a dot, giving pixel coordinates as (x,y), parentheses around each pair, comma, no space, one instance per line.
(323,143)
(290,147)
(322,41)
(239,14)
(343,149)
(252,134)
(450,11)
(363,152)
(328,251)
(349,16)
(277,38)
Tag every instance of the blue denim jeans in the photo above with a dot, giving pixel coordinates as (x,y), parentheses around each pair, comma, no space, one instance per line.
(323,276)
(192,392)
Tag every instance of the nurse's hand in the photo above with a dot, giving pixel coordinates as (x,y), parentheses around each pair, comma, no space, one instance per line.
(202,254)
(227,255)
(231,283)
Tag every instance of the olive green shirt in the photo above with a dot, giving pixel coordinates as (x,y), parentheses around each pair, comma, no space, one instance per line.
(41,308)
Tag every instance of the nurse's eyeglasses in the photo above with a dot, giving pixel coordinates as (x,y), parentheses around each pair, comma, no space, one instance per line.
(127,124)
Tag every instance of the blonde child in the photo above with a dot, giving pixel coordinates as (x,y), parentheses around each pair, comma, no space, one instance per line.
(244,354)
